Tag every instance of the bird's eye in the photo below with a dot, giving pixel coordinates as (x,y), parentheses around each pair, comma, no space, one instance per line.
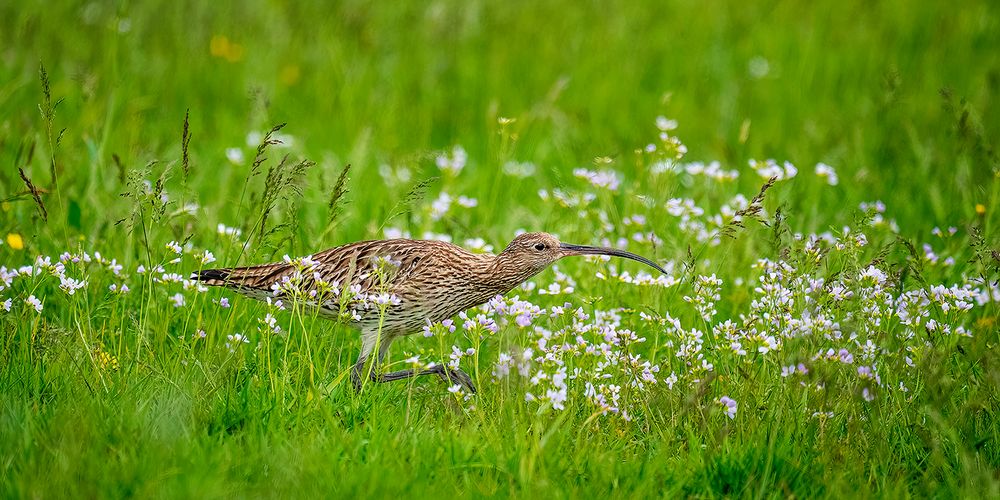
(539,246)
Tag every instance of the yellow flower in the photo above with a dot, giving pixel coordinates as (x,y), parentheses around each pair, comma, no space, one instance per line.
(105,360)
(980,209)
(220,46)
(290,74)
(15,241)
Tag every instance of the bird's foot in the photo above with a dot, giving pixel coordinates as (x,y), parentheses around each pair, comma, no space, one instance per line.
(449,375)
(457,376)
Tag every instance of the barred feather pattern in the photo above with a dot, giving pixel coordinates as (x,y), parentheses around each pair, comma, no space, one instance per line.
(433,281)
(430,280)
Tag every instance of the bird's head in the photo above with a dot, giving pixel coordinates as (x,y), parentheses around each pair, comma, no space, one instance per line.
(533,252)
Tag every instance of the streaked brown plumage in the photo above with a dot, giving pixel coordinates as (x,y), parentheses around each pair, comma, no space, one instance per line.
(433,281)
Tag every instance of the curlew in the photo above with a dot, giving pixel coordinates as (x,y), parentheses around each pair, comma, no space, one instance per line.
(392,288)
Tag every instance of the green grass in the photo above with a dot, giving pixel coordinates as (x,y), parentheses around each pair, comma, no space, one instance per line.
(110,395)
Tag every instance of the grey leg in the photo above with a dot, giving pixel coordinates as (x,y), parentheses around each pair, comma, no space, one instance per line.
(368,344)
(451,376)
(447,374)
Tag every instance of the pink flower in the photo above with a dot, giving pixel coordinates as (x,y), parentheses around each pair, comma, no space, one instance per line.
(729,406)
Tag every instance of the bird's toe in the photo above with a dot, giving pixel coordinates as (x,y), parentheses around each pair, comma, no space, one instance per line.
(464,380)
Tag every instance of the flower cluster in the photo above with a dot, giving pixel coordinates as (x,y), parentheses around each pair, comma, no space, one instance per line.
(826,313)
(770,168)
(452,162)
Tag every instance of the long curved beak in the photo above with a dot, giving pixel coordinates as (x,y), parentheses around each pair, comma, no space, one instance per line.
(569,249)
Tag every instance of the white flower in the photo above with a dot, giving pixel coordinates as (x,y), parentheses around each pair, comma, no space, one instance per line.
(190,208)
(207,257)
(606,179)
(477,245)
(235,156)
(770,168)
(175,247)
(228,231)
(502,367)
(867,394)
(519,169)
(758,67)
(34,302)
(671,380)
(824,170)
(170,278)
(665,124)
(874,273)
(7,304)
(234,341)
(70,285)
(428,235)
(392,233)
(115,267)
(272,323)
(385,299)
(467,202)
(452,163)
(770,344)
(440,206)
(178,299)
(877,206)
(729,405)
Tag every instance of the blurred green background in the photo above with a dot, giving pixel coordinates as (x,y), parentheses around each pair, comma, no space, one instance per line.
(899,96)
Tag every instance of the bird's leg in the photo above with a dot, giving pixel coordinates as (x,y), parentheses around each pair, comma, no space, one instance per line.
(358,375)
(450,375)
(453,376)
(361,371)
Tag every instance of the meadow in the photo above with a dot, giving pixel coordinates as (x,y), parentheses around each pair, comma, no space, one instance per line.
(820,179)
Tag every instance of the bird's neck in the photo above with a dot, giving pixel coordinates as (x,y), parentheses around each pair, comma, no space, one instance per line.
(502,275)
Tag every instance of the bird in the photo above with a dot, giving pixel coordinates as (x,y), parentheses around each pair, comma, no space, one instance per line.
(394,287)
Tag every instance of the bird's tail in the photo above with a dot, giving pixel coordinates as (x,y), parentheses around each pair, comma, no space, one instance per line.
(212,277)
(259,277)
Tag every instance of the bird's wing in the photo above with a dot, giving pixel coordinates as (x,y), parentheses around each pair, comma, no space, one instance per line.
(251,278)
(369,266)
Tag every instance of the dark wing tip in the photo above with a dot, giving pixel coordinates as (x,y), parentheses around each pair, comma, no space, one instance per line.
(211,276)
